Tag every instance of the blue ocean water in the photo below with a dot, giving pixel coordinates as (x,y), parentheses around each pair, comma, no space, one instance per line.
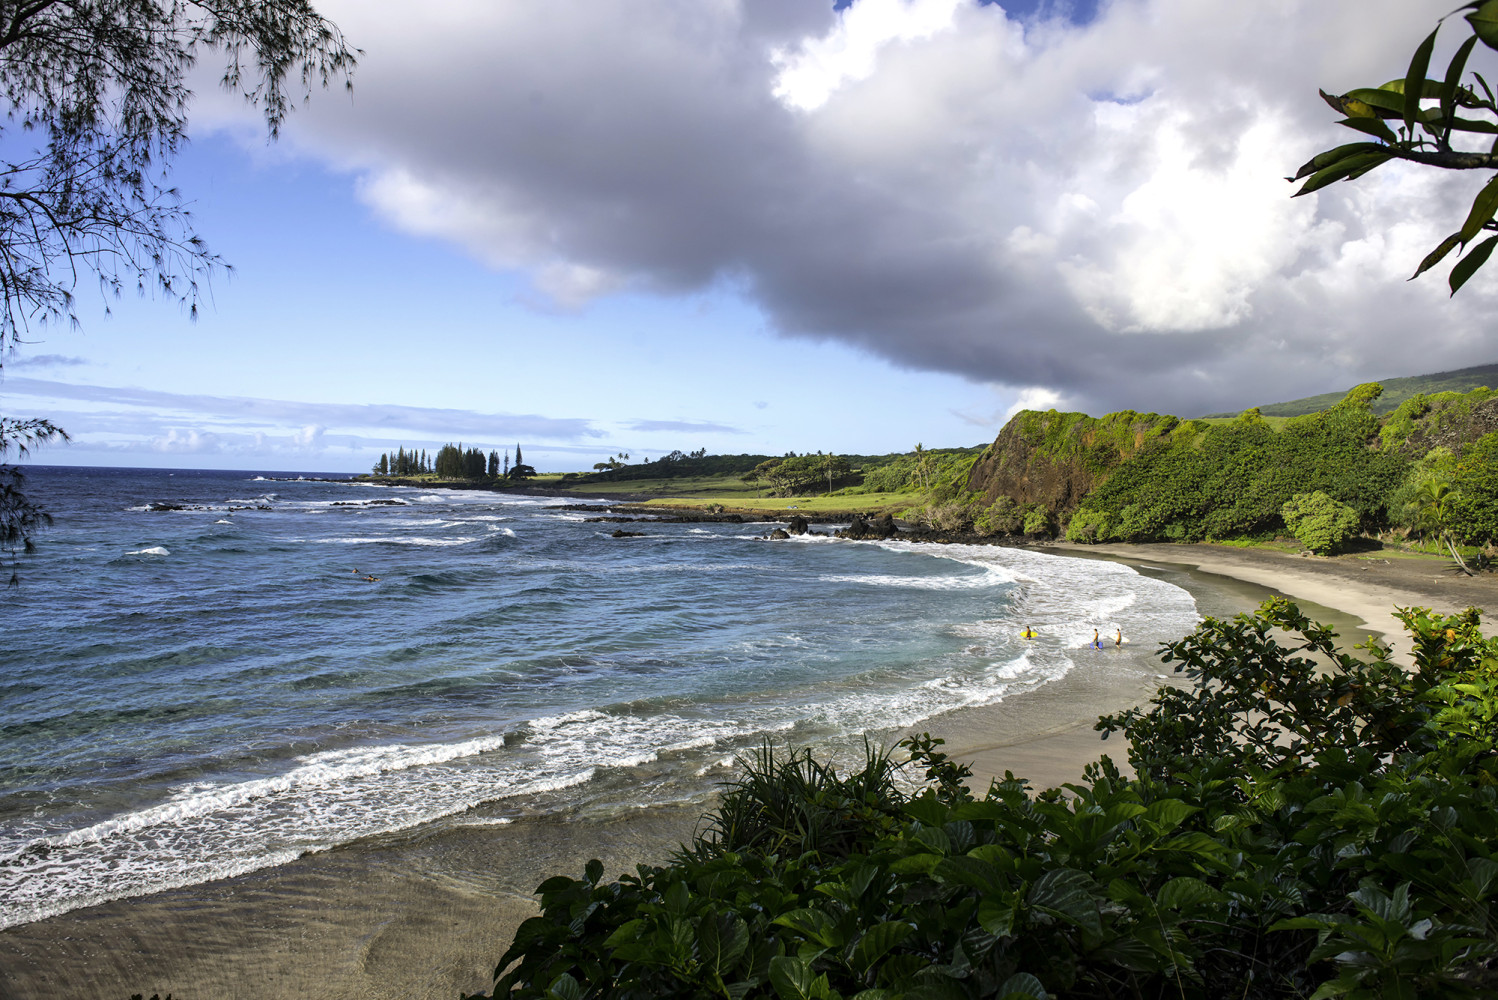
(198,679)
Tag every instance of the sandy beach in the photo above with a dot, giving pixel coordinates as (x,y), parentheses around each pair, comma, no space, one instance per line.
(1046,735)
(429,919)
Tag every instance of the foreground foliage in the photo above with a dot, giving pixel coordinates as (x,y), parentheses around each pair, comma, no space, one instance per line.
(1293,831)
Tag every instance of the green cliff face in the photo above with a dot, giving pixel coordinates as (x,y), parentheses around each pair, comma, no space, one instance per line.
(1146,477)
(1056,459)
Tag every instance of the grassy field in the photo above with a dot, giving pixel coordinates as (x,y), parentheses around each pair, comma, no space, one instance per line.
(684,486)
(863,502)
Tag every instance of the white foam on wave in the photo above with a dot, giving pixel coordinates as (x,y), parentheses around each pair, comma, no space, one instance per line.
(992,576)
(213,830)
(155,550)
(390,540)
(223,520)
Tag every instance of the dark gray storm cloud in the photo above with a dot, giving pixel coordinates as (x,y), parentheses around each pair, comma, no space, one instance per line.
(931,181)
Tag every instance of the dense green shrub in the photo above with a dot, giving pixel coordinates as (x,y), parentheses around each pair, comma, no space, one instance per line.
(1474,513)
(1292,832)
(1320,523)
(1002,517)
(1233,479)
(1038,522)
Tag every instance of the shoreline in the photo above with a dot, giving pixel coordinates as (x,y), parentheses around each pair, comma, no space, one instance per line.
(428,916)
(1353,594)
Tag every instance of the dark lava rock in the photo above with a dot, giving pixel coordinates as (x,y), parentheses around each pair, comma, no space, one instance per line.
(877,529)
(621,533)
(779,534)
(797,526)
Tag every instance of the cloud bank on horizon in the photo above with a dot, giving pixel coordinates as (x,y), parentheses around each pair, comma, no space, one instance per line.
(1092,214)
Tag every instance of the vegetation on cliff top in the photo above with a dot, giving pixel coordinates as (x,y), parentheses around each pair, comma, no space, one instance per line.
(1291,833)
(1146,477)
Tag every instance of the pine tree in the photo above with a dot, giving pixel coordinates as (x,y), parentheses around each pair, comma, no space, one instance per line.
(518,459)
(507,462)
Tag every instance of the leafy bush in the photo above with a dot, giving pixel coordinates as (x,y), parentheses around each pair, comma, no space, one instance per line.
(1002,517)
(1234,479)
(1319,522)
(1292,832)
(950,516)
(1038,521)
(1475,510)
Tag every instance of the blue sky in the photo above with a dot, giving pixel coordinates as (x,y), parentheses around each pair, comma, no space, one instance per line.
(767,226)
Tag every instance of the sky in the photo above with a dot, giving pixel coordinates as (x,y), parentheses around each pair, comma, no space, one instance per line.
(594,227)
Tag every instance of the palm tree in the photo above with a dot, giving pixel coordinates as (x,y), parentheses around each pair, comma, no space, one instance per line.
(920,465)
(1434,505)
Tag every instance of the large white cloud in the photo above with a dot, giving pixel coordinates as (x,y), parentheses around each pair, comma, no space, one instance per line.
(1097,213)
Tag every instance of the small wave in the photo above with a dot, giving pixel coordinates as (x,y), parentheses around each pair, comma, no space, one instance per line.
(991,577)
(155,550)
(223,520)
(439,542)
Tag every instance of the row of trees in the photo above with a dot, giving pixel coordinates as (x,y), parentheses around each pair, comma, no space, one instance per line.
(454,462)
(787,477)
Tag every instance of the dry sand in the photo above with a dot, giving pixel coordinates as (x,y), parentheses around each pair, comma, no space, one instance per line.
(428,919)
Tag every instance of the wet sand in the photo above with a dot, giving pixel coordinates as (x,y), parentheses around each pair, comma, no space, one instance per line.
(427,916)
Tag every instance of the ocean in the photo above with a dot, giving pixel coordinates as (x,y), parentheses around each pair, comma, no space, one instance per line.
(205,674)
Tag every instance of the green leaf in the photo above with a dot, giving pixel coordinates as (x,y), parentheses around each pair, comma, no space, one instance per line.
(792,978)
(1167,814)
(915,864)
(1484,21)
(1371,126)
(1065,893)
(877,942)
(1391,102)
(1181,893)
(722,942)
(1468,265)
(1332,156)
(564,987)
(1433,258)
(813,924)
(1483,207)
(677,898)
(1414,80)
(553,884)
(1453,80)
(594,870)
(996,918)
(1350,167)
(1022,986)
(626,932)
(929,811)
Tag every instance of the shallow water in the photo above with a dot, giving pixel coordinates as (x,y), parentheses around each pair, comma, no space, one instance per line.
(187,694)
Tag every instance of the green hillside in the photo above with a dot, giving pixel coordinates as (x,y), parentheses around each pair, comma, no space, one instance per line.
(1396,391)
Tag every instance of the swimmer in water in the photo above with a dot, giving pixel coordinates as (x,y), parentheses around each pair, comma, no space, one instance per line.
(372,579)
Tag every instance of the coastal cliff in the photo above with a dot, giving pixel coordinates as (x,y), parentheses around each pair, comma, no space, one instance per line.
(1054,460)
